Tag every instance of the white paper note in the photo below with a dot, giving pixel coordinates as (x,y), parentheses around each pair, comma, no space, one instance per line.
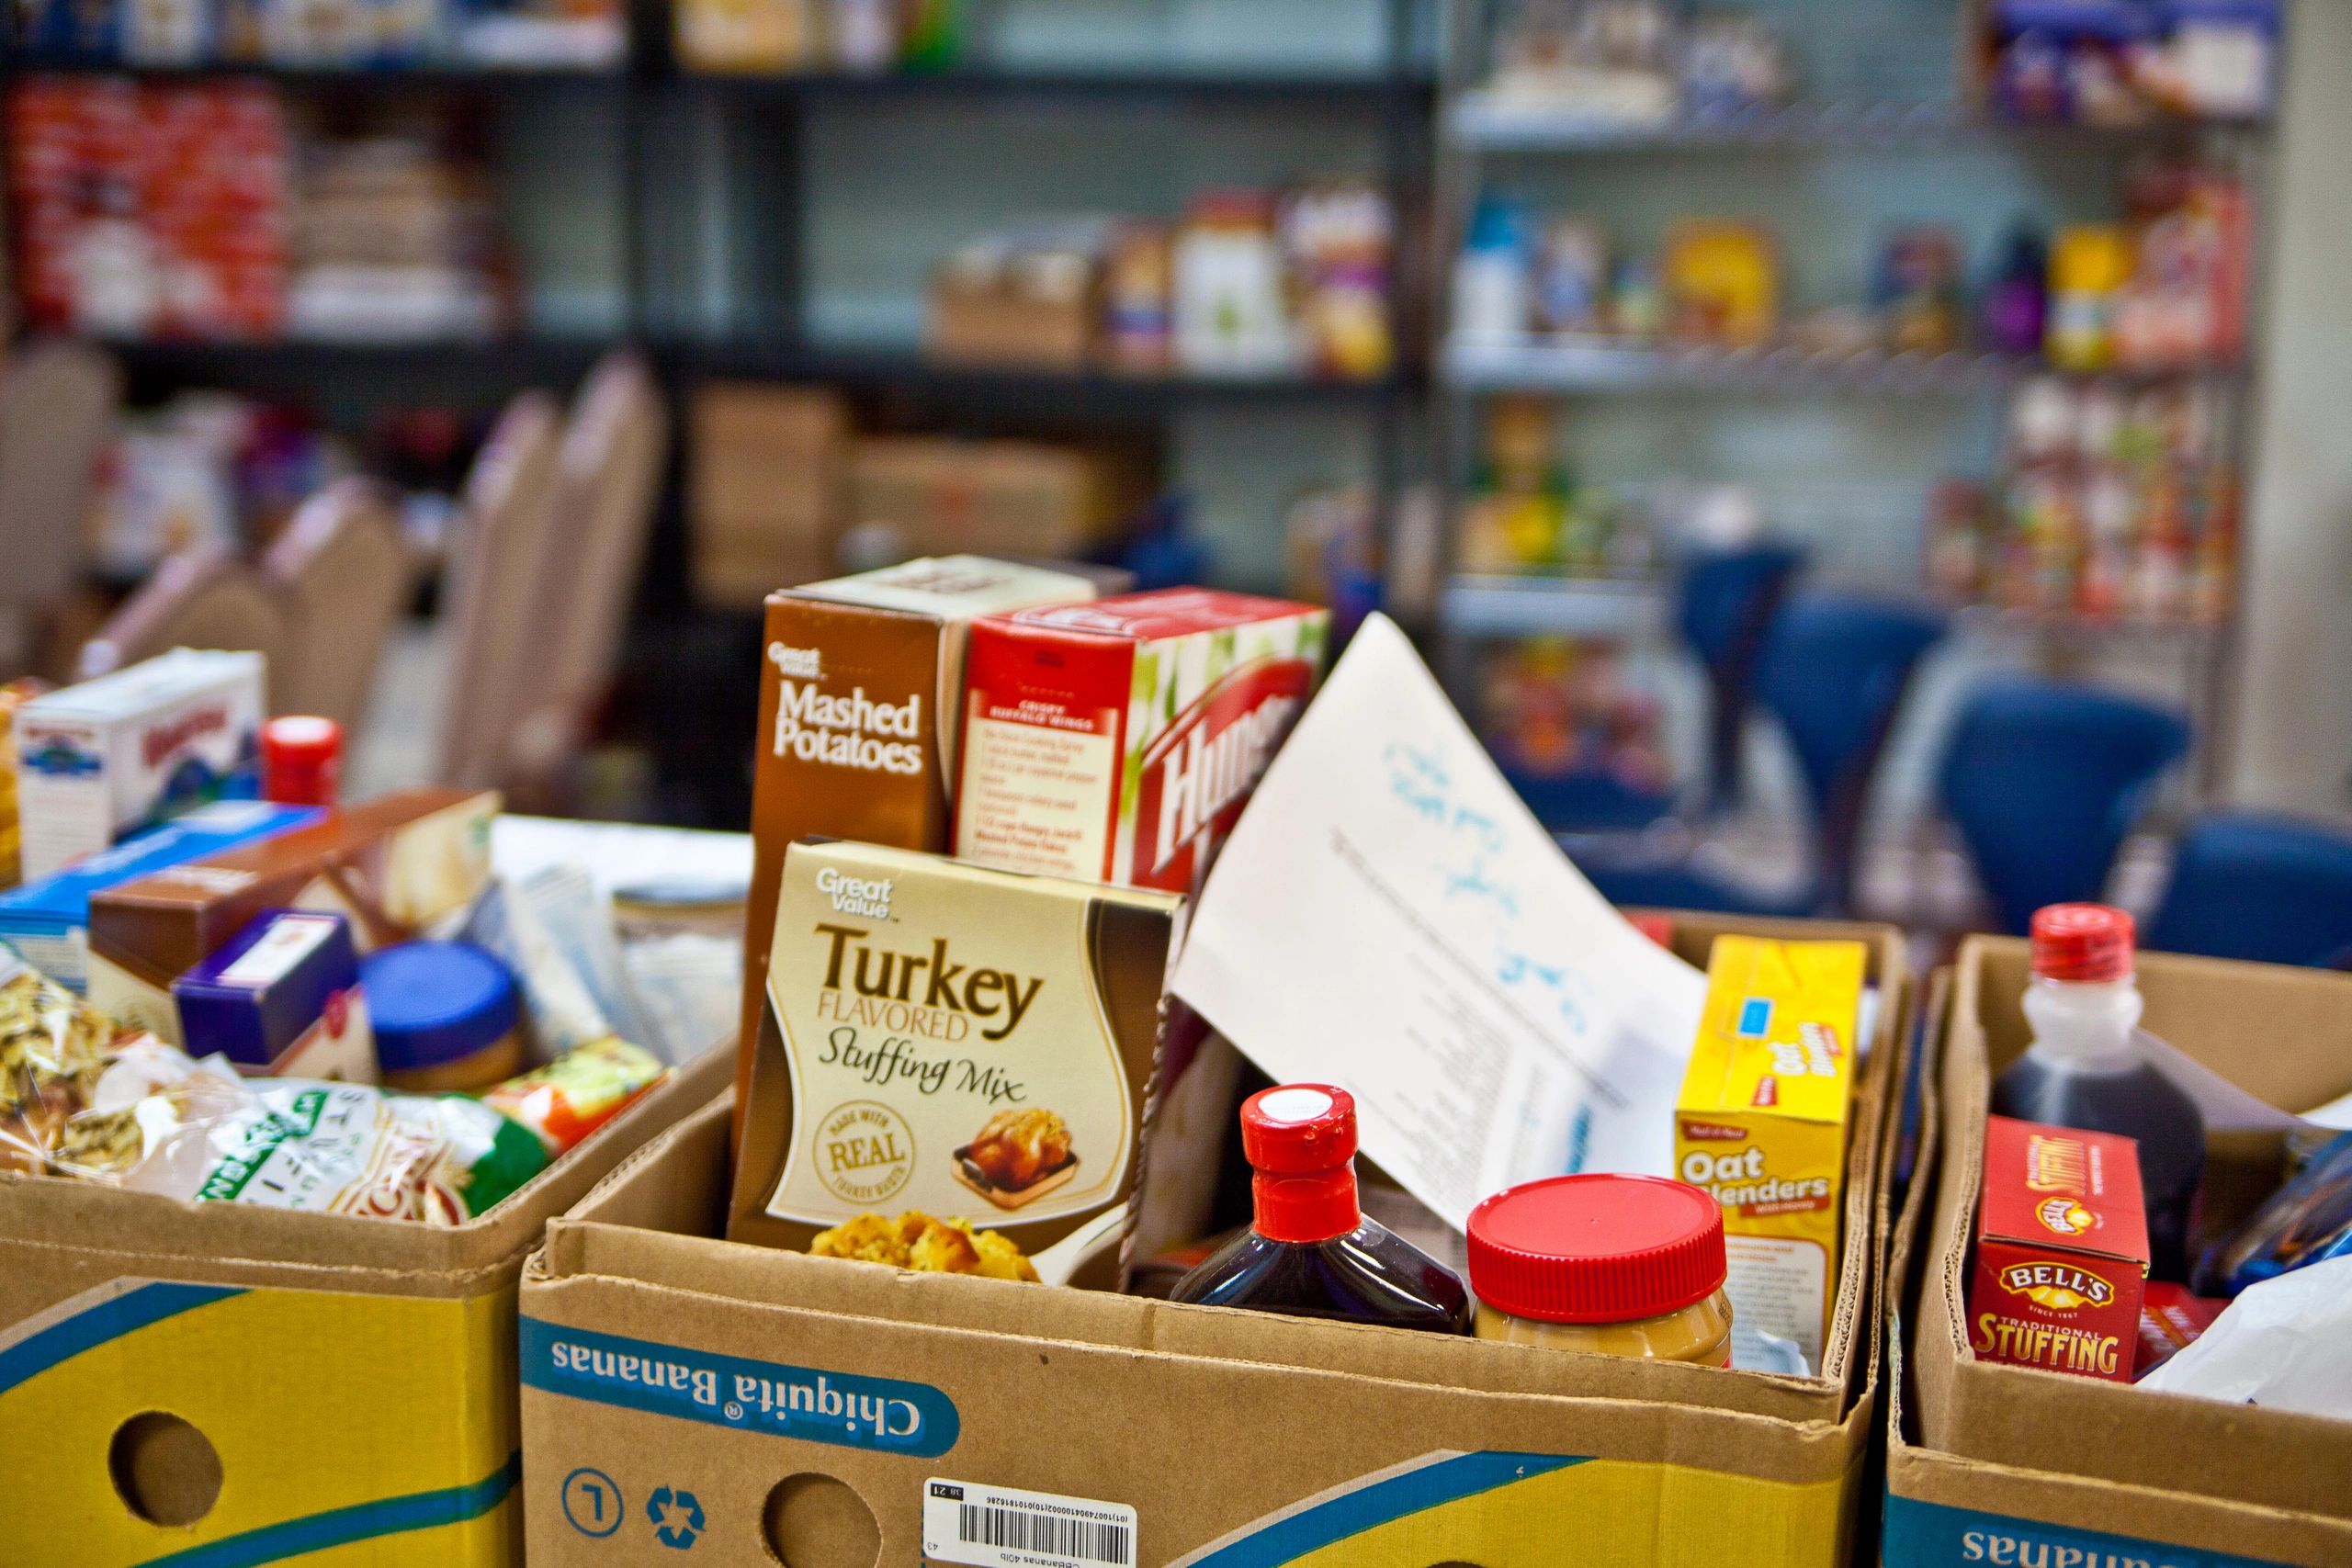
(1390,918)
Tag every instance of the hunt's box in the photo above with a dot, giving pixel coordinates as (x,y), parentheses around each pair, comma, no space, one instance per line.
(2014,1465)
(746,1406)
(221,1384)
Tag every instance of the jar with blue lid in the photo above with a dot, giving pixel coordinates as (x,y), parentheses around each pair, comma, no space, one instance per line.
(446,1017)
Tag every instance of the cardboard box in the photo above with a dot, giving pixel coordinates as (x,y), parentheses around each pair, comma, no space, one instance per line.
(1011,316)
(1118,742)
(1761,1124)
(764,1405)
(964,1043)
(2062,1251)
(392,866)
(48,922)
(938,495)
(231,1384)
(859,683)
(2004,1464)
(98,762)
(767,472)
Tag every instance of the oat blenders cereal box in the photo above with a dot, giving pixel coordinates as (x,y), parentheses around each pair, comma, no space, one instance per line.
(2062,1251)
(858,682)
(100,761)
(1761,1124)
(968,1044)
(1119,741)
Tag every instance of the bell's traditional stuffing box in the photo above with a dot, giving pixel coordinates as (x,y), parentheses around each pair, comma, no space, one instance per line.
(859,681)
(972,1045)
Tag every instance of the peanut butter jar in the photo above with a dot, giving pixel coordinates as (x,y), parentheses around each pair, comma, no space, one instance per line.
(1609,1265)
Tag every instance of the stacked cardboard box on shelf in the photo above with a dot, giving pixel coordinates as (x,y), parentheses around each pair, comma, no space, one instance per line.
(943,496)
(2002,1464)
(767,470)
(818,1410)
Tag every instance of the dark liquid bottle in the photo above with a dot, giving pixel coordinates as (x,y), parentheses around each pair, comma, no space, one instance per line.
(1309,1251)
(2085,1069)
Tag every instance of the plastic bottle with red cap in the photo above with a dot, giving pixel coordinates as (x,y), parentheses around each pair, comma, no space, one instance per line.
(1608,1265)
(2087,1067)
(1309,1251)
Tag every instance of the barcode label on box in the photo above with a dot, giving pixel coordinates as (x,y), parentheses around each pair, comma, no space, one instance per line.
(1001,1527)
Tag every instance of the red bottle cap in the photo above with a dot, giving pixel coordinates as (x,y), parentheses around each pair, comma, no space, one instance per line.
(1597,1248)
(301,760)
(2089,942)
(1301,1144)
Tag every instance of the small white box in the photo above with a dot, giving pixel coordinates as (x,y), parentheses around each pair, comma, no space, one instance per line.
(99,761)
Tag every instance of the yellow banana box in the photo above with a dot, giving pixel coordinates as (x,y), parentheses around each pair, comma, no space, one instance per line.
(692,1400)
(1761,1124)
(219,1385)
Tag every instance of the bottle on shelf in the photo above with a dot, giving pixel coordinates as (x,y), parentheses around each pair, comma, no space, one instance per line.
(1309,1250)
(2088,1068)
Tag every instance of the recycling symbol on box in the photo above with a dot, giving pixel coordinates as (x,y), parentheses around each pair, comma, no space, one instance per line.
(676,1516)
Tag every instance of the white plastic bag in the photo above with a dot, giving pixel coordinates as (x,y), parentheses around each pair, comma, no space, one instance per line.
(2285,1344)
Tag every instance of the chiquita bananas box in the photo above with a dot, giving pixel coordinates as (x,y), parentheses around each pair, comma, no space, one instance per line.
(1761,1124)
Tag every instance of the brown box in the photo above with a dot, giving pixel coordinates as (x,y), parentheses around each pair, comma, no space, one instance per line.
(968,1044)
(943,496)
(768,470)
(224,1384)
(817,1410)
(997,317)
(2013,1465)
(857,677)
(392,866)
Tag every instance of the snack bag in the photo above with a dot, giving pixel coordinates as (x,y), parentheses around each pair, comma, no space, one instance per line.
(81,1098)
(579,1091)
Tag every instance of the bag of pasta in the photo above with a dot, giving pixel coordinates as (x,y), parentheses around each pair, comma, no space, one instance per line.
(86,1100)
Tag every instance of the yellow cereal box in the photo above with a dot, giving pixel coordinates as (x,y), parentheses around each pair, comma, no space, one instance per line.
(1761,1124)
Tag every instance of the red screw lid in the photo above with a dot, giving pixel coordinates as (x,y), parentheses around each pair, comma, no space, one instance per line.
(1597,1248)
(1301,1143)
(302,760)
(2082,942)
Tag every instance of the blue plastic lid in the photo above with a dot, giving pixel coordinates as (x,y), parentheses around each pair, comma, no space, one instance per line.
(431,1002)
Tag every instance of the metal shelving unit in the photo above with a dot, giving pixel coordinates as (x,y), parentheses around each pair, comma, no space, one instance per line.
(1489,135)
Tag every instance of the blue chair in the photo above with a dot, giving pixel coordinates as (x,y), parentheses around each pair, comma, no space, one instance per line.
(1834,672)
(2044,779)
(2248,884)
(1724,604)
(1725,612)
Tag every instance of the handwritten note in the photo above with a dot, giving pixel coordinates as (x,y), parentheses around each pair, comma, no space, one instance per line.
(1389,916)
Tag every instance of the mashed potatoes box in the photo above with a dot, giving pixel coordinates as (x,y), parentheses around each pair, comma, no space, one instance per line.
(859,683)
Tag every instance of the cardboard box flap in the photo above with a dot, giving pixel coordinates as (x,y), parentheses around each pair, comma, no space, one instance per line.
(145,1234)
(601,1239)
(2113,1432)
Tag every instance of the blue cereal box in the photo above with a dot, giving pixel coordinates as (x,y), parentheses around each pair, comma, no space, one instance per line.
(282,999)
